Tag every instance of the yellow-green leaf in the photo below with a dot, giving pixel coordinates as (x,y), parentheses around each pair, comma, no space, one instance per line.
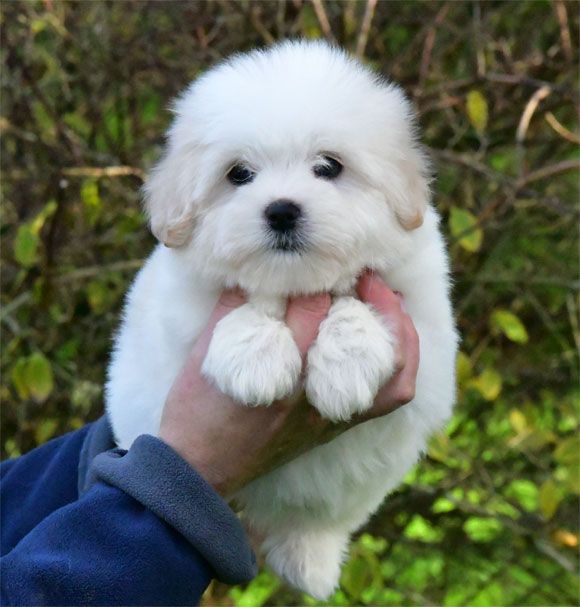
(488,384)
(310,25)
(39,221)
(99,296)
(439,447)
(26,246)
(45,430)
(518,421)
(477,110)
(550,498)
(510,325)
(464,228)
(91,199)
(463,368)
(18,376)
(39,378)
(568,451)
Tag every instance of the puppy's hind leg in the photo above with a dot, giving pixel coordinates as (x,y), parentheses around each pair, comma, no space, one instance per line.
(252,357)
(308,558)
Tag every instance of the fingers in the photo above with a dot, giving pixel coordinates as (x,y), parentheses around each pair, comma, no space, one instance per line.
(401,388)
(388,304)
(303,317)
(229,300)
(372,290)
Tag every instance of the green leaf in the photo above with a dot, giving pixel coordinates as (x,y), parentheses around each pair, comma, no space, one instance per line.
(480,529)
(442,504)
(26,246)
(360,573)
(421,529)
(525,492)
(510,325)
(477,110)
(258,591)
(39,378)
(463,226)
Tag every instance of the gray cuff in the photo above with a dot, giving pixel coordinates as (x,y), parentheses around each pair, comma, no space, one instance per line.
(157,477)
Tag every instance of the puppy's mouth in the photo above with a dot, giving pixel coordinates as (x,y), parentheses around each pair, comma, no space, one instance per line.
(287,243)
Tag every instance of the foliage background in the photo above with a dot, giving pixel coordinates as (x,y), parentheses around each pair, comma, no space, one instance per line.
(490,517)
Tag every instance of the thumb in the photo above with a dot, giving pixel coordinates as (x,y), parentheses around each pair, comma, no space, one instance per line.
(304,315)
(229,300)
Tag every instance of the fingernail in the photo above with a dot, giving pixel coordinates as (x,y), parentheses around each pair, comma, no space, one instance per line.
(401,300)
(232,298)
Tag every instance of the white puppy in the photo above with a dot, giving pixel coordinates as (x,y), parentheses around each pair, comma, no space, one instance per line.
(288,171)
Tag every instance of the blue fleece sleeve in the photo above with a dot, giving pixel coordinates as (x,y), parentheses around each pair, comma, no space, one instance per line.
(38,483)
(148,531)
(104,549)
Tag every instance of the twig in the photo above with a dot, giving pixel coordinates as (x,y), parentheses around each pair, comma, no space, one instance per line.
(116,171)
(15,304)
(561,129)
(89,271)
(529,110)
(573,316)
(549,171)
(562,15)
(517,79)
(365,28)
(430,43)
(556,556)
(552,281)
(323,19)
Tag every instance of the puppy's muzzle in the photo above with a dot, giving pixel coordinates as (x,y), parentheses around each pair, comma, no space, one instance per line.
(284,218)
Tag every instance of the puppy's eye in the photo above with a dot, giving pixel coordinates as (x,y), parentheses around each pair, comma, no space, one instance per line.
(329,168)
(240,174)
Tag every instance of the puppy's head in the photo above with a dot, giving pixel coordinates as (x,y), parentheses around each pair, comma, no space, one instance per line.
(289,170)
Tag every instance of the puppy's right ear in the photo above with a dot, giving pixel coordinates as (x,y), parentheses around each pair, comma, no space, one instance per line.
(168,194)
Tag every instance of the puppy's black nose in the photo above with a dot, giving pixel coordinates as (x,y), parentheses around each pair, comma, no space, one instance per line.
(282,215)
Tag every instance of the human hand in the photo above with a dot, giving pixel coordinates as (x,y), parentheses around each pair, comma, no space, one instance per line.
(230,445)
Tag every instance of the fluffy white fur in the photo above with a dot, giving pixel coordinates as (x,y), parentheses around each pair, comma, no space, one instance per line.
(277,111)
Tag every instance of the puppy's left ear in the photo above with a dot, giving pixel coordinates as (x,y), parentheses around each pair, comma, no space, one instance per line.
(412,196)
(168,196)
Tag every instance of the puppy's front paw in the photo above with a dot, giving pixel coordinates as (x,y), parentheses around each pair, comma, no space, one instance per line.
(252,357)
(353,356)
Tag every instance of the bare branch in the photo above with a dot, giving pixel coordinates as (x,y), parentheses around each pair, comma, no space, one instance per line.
(529,110)
(365,28)
(323,19)
(561,129)
(118,171)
